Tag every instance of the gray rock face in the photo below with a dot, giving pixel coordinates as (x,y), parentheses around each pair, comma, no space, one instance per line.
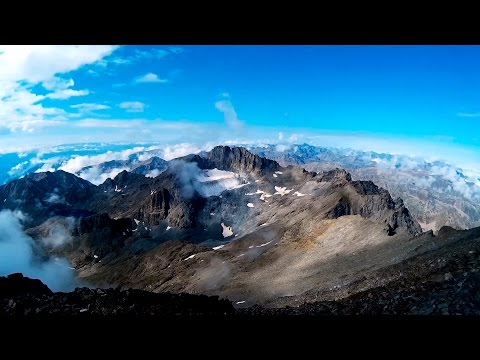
(242,161)
(43,195)
(236,159)
(434,200)
(147,166)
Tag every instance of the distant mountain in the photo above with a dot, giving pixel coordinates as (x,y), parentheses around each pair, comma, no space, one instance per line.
(436,193)
(151,167)
(43,195)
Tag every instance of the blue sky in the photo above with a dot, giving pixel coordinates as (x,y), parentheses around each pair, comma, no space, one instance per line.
(420,100)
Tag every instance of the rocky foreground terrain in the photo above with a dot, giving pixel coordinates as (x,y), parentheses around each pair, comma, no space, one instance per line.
(21,296)
(442,281)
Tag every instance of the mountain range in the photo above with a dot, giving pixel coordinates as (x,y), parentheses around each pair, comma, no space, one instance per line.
(436,193)
(229,223)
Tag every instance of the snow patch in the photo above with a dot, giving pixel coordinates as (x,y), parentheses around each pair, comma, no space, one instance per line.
(117,189)
(265,195)
(215,175)
(282,190)
(255,193)
(275,175)
(153,173)
(239,186)
(218,247)
(298,193)
(264,244)
(136,221)
(95,256)
(190,257)
(250,205)
(240,302)
(168,228)
(226,230)
(278,172)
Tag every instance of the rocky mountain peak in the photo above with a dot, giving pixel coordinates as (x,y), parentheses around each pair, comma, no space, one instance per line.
(335,175)
(239,159)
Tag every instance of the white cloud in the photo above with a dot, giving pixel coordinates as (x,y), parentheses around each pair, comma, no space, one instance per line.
(96,177)
(38,63)
(178,150)
(88,107)
(281,136)
(228,110)
(57,83)
(67,94)
(282,147)
(150,78)
(294,138)
(92,72)
(141,54)
(153,174)
(132,106)
(121,61)
(22,67)
(77,163)
(18,253)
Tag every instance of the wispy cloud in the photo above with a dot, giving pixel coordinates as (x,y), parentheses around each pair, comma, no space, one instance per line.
(66,94)
(23,67)
(89,107)
(229,113)
(150,54)
(177,50)
(150,78)
(57,83)
(132,106)
(144,54)
(464,114)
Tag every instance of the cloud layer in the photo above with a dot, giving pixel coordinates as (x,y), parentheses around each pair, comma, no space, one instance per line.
(18,253)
